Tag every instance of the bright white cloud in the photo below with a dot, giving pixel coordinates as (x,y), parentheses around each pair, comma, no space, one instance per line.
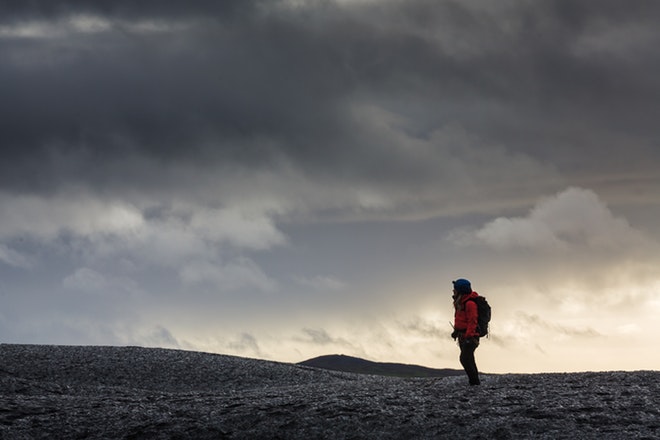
(158,242)
(115,229)
(80,214)
(236,275)
(573,218)
(13,258)
(321,283)
(74,25)
(253,230)
(85,279)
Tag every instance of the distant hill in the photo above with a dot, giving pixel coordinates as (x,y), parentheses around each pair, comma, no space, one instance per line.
(349,364)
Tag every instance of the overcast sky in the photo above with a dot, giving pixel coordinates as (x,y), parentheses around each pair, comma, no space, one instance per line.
(286,179)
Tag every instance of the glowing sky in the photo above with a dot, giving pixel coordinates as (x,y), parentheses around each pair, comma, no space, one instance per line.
(287,179)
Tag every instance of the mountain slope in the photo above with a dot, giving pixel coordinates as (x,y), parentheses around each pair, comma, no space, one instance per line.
(349,364)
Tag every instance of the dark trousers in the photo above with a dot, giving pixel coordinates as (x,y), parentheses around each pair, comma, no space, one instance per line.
(467,359)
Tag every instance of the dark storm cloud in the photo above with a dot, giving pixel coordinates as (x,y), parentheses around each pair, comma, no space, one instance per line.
(87,86)
(27,10)
(206,90)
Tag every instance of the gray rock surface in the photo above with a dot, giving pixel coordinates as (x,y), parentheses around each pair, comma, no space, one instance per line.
(141,393)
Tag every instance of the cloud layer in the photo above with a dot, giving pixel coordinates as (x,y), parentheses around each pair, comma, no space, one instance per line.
(574,218)
(272,178)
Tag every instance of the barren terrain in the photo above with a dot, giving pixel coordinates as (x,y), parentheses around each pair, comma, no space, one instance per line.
(145,393)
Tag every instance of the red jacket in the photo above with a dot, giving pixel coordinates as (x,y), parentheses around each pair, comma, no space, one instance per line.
(465,316)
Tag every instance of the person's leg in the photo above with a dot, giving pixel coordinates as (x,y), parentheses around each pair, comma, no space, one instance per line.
(468,362)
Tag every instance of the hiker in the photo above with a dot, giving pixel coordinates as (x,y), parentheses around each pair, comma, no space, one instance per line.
(465,327)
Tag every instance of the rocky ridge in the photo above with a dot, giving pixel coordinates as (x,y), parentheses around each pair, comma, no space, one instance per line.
(146,393)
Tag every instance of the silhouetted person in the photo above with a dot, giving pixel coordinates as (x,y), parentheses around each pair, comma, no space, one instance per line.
(465,327)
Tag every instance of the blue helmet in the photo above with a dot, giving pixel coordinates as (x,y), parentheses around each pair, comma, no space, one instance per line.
(462,286)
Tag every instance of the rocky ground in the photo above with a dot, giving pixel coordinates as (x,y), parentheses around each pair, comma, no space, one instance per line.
(138,393)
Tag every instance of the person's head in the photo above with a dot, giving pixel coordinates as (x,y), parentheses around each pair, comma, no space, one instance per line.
(462,286)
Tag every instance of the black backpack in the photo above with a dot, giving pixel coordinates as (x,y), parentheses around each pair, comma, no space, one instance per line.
(483,314)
